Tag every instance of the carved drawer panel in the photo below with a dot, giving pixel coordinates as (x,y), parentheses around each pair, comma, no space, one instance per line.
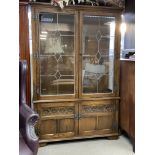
(56,109)
(100,107)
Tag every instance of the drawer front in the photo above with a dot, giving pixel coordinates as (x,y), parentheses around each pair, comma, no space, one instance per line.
(98,117)
(57,120)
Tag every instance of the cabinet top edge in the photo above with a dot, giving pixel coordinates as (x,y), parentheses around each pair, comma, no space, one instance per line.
(78,7)
(128,60)
(23,3)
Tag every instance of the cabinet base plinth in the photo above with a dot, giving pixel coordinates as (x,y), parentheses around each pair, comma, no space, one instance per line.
(113,137)
(42,144)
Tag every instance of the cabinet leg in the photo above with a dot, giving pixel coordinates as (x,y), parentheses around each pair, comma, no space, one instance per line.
(113,137)
(133,143)
(134,147)
(42,144)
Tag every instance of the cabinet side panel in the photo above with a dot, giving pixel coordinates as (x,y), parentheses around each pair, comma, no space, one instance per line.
(127,93)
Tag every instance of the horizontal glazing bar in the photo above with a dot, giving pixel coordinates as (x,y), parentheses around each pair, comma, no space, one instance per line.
(95,55)
(51,55)
(67,35)
(54,75)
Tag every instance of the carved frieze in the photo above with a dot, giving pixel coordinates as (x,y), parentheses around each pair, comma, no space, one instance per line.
(98,108)
(57,111)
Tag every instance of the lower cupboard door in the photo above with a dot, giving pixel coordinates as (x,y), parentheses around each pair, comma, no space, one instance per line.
(57,128)
(97,119)
(57,120)
(96,125)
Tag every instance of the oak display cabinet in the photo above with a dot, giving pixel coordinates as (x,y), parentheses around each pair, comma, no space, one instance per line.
(75,69)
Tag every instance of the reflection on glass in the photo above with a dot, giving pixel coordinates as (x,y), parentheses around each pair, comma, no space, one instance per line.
(57,57)
(97,54)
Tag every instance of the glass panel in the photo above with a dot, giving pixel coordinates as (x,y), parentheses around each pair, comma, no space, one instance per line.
(56,55)
(98,54)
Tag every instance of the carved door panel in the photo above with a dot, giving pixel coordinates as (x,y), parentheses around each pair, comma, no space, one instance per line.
(97,117)
(57,120)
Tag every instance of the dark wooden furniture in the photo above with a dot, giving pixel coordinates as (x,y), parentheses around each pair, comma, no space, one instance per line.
(24,44)
(76,71)
(28,141)
(127,94)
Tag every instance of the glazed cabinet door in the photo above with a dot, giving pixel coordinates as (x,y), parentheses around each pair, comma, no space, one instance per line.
(98,118)
(99,70)
(57,120)
(54,53)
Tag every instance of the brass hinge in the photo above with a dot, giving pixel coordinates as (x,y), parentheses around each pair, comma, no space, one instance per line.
(35,17)
(36,91)
(115,88)
(35,55)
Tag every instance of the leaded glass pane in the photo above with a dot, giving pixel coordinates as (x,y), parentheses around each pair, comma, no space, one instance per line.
(98,54)
(56,54)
